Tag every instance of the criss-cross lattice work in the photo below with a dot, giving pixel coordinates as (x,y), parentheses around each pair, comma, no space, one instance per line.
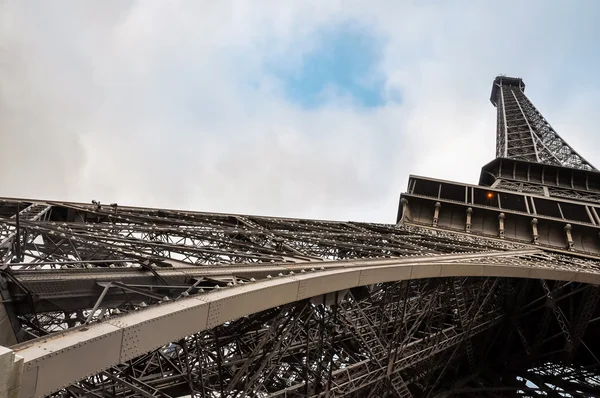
(473,293)
(406,338)
(524,134)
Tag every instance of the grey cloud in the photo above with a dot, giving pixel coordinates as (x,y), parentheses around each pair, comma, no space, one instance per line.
(146,104)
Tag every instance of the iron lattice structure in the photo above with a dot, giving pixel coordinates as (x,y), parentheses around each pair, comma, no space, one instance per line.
(522,131)
(478,290)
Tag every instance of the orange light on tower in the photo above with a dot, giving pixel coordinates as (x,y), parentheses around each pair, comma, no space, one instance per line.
(490,195)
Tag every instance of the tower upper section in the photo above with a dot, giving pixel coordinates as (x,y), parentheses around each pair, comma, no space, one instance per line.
(538,189)
(522,133)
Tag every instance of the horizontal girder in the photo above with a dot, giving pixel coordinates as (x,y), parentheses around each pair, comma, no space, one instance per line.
(123,338)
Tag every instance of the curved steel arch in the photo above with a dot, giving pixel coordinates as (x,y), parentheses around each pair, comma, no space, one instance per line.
(54,362)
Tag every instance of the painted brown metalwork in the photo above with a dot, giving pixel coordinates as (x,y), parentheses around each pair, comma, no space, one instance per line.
(523,133)
(478,290)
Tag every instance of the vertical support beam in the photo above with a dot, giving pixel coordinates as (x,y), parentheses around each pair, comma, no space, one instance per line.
(595,213)
(306,370)
(317,387)
(534,229)
(463,317)
(589,213)
(468,223)
(562,215)
(505,123)
(527,204)
(551,302)
(405,210)
(17,240)
(200,359)
(590,301)
(501,218)
(11,373)
(587,182)
(436,213)
(543,175)
(569,236)
(533,205)
(219,362)
(332,327)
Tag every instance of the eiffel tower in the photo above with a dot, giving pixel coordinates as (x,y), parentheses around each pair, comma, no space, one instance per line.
(484,290)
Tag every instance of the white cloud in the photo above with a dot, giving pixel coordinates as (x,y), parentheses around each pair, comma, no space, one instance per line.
(172,105)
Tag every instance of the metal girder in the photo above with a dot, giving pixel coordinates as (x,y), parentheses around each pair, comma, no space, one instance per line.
(155,325)
(11,237)
(169,303)
(128,282)
(463,317)
(141,285)
(586,311)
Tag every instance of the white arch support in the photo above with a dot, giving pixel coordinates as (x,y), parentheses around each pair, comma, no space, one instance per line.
(11,371)
(55,362)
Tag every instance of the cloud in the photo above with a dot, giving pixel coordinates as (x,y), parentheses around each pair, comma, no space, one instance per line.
(341,69)
(189,105)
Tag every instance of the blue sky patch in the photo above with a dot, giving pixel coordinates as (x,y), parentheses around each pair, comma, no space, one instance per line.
(343,64)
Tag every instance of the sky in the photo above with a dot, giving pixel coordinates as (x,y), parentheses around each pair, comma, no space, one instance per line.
(307,108)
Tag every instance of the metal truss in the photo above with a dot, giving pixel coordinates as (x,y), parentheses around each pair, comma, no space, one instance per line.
(405,338)
(519,186)
(524,134)
(384,335)
(115,301)
(115,245)
(557,192)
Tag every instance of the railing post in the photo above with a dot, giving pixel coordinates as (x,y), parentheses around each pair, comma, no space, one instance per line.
(468,225)
(405,210)
(569,236)
(436,213)
(534,228)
